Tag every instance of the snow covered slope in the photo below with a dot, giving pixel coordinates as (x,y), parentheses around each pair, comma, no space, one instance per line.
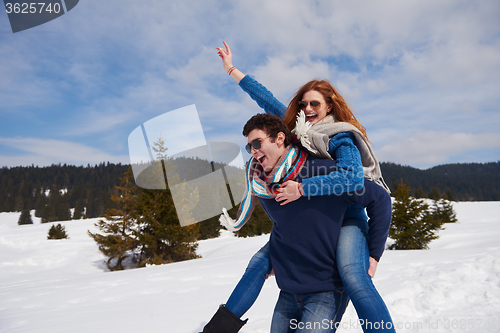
(63,286)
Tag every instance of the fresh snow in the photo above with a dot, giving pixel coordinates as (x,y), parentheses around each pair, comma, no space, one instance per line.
(63,286)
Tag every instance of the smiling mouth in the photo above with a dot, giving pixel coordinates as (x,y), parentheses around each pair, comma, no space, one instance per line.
(261,158)
(311,117)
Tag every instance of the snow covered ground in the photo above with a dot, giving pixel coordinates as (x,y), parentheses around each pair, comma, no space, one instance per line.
(63,286)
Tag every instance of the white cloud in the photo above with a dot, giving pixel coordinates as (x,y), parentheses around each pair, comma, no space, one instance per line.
(201,67)
(410,66)
(285,74)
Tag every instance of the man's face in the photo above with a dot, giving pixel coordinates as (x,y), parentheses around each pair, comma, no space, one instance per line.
(269,152)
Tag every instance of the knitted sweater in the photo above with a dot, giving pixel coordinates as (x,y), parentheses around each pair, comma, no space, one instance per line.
(305,231)
(348,175)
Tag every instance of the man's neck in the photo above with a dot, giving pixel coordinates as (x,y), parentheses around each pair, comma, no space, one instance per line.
(278,163)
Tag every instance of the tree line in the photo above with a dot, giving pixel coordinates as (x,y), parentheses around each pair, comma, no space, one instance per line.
(64,192)
(145,228)
(460,182)
(52,191)
(141,226)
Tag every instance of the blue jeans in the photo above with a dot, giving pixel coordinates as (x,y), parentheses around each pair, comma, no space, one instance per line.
(307,313)
(246,291)
(353,262)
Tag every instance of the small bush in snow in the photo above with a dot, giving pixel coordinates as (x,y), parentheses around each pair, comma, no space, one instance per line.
(57,232)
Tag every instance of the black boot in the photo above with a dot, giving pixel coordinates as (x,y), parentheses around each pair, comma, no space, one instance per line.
(224,321)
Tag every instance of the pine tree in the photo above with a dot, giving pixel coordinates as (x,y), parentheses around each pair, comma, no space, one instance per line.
(443,210)
(413,224)
(162,238)
(57,232)
(161,235)
(9,202)
(63,210)
(25,217)
(210,228)
(419,193)
(119,240)
(78,211)
(434,194)
(57,208)
(258,224)
(53,203)
(23,197)
(91,204)
(40,203)
(449,195)
(19,205)
(45,214)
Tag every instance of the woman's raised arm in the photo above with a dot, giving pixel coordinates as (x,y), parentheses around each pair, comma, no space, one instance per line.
(254,89)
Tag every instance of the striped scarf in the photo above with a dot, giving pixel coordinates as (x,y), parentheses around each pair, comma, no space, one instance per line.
(287,168)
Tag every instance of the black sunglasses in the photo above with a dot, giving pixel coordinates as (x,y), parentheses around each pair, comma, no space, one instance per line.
(256,144)
(314,105)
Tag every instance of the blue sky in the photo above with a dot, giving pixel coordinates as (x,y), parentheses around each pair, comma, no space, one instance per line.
(423,76)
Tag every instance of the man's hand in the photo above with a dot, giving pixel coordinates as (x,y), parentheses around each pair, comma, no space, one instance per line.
(373,267)
(270,274)
(289,191)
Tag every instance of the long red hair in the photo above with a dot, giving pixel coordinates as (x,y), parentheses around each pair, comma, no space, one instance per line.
(340,109)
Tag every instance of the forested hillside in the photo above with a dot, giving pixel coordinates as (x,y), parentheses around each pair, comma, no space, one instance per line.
(59,187)
(465,182)
(88,190)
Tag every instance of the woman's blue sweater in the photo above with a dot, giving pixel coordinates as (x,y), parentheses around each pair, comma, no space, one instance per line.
(349,173)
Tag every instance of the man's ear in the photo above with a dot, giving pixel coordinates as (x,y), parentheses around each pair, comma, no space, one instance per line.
(280,138)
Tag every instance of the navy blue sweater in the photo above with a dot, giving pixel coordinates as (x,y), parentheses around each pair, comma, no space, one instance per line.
(305,232)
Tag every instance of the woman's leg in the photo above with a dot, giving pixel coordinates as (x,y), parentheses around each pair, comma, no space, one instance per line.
(353,263)
(246,291)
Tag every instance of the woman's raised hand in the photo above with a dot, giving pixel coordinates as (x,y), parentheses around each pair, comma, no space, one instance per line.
(226,55)
(227,62)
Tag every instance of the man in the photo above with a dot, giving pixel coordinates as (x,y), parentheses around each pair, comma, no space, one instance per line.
(305,231)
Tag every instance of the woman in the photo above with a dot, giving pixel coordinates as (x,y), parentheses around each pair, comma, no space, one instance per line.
(327,128)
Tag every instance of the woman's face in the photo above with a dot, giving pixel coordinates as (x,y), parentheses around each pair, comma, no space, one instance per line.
(314,106)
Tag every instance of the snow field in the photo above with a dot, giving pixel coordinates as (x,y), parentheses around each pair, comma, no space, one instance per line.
(63,285)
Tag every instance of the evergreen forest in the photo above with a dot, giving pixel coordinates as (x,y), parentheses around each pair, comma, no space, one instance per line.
(456,182)
(141,226)
(54,190)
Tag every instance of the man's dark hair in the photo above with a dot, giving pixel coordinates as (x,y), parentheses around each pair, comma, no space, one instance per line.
(270,124)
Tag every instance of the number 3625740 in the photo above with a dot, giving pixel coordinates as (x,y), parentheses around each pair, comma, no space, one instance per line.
(32,8)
